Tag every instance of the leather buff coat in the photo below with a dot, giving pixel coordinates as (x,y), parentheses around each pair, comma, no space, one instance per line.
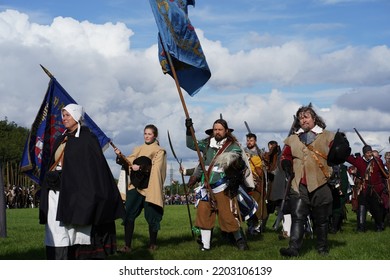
(304,163)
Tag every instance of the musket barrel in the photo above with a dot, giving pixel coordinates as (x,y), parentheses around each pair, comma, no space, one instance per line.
(361,138)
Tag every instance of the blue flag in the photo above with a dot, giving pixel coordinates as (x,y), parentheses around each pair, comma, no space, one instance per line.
(45,129)
(177,37)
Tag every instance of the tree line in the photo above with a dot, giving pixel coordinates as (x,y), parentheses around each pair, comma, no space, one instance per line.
(12,141)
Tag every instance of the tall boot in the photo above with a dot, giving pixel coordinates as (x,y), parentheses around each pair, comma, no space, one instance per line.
(152,239)
(240,240)
(337,221)
(332,228)
(361,218)
(377,211)
(299,212)
(321,217)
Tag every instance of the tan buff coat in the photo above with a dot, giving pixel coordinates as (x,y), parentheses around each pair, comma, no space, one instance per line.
(305,164)
(154,192)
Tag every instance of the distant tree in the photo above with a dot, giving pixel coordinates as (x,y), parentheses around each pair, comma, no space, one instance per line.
(12,141)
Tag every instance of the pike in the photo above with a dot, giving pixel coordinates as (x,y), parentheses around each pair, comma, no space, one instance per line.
(184,184)
(264,171)
(287,185)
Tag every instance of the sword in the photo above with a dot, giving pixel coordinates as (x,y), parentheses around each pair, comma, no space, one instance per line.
(182,178)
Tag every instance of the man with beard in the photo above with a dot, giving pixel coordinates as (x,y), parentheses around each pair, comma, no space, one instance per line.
(257,222)
(306,159)
(224,168)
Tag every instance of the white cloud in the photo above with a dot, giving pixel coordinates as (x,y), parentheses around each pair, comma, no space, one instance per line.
(124,89)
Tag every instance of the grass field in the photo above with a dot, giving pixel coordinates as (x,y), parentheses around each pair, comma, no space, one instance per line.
(24,241)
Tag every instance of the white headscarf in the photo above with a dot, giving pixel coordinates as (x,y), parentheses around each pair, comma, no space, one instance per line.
(77,113)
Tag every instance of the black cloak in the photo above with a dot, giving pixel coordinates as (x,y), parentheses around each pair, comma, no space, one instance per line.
(88,193)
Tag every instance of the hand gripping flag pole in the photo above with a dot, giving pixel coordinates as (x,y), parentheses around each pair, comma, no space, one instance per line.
(206,177)
(181,40)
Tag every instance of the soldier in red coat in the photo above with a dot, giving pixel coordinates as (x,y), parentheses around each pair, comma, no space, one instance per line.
(373,195)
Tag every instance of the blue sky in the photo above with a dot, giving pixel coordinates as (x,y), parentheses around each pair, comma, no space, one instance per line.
(267,58)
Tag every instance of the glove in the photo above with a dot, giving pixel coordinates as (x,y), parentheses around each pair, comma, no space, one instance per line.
(188,124)
(287,167)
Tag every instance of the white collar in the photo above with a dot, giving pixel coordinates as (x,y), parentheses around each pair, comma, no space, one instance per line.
(316,130)
(215,144)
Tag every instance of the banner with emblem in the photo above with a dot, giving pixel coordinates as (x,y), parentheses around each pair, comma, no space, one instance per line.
(46,127)
(177,37)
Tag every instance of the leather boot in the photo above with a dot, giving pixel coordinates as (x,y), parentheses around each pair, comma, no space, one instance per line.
(321,217)
(361,218)
(335,223)
(240,240)
(299,212)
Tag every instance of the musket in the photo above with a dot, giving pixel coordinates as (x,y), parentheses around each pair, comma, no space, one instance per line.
(287,184)
(376,160)
(384,173)
(184,184)
(361,138)
(265,174)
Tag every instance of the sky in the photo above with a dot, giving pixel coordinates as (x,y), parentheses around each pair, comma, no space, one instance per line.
(267,58)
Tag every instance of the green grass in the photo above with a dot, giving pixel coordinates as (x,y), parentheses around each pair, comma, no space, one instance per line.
(25,236)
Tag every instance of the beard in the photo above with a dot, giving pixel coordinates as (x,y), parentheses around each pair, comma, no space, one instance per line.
(250,146)
(219,138)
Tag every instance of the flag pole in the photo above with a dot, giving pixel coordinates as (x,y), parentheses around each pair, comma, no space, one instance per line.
(206,177)
(47,72)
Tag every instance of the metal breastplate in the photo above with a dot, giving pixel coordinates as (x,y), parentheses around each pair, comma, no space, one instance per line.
(307,137)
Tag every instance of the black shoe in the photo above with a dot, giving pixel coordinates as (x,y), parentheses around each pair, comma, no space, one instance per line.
(380,227)
(288,252)
(323,252)
(360,229)
(241,244)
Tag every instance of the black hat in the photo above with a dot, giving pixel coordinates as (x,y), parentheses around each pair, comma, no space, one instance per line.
(367,148)
(223,123)
(140,178)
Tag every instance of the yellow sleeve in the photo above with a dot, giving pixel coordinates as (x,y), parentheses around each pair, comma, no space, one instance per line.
(256,162)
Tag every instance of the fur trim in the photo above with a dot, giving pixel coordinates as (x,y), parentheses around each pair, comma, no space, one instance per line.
(226,159)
